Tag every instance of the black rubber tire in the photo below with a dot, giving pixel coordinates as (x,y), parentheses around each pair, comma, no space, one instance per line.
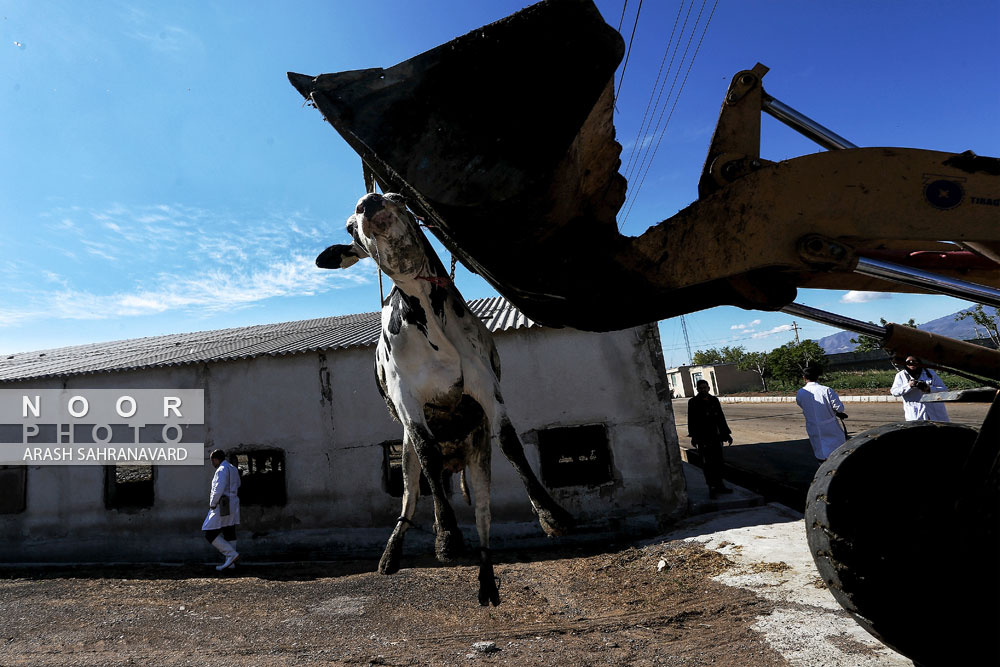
(886,537)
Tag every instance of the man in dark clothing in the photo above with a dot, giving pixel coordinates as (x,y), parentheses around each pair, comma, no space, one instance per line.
(707,428)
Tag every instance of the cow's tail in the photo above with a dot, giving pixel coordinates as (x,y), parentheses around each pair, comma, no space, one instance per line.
(464,487)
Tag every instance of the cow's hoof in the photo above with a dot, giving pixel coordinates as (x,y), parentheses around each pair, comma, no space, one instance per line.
(488,593)
(389,563)
(555,521)
(449,545)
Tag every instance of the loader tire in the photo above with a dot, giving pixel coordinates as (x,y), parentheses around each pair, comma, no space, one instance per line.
(882,526)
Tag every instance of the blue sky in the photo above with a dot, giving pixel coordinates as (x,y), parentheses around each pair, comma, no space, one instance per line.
(160,175)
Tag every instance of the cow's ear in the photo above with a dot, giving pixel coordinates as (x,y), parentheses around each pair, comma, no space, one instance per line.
(338,257)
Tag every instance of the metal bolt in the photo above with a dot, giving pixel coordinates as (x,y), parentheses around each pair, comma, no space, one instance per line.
(731,170)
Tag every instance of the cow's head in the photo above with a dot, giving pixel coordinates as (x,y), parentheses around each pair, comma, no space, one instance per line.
(384,230)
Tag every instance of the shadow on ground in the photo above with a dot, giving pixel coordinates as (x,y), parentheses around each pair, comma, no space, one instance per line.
(780,471)
(304,569)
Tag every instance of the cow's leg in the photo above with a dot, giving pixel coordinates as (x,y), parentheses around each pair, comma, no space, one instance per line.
(389,563)
(448,544)
(553,518)
(479,476)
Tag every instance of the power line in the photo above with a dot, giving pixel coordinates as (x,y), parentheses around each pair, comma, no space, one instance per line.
(676,98)
(764,334)
(649,103)
(622,19)
(647,141)
(629,51)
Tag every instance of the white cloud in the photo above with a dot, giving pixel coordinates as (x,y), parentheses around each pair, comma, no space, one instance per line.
(778,329)
(744,327)
(855,296)
(11,317)
(209,292)
(638,144)
(163,38)
(102,250)
(170,258)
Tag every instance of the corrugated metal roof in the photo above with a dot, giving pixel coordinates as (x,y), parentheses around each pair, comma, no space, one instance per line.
(326,333)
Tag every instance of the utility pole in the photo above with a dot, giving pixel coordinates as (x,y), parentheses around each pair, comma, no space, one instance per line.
(795,328)
(687,342)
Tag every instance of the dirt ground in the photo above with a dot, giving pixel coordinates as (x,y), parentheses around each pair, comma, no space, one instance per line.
(571,607)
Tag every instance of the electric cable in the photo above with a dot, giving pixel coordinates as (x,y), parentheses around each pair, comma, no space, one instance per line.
(676,99)
(629,51)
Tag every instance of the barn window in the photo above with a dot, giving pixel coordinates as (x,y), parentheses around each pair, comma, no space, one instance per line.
(392,471)
(262,476)
(128,487)
(575,455)
(13,489)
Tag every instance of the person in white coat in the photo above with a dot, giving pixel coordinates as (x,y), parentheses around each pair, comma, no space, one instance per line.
(822,408)
(913,382)
(224,509)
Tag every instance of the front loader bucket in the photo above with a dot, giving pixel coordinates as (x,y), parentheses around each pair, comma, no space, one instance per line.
(503,140)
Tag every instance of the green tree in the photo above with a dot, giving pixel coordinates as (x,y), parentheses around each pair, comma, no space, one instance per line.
(718,355)
(870,343)
(788,361)
(758,362)
(981,318)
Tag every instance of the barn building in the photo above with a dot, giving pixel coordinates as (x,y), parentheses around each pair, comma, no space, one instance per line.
(296,408)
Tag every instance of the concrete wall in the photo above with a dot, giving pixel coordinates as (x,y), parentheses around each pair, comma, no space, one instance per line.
(679,381)
(324,412)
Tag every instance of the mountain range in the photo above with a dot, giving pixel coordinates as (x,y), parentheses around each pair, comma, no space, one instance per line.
(945,326)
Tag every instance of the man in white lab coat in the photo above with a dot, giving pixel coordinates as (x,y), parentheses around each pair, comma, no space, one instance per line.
(913,382)
(822,409)
(224,509)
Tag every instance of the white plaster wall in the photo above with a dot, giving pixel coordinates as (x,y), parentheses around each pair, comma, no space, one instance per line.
(324,411)
(564,377)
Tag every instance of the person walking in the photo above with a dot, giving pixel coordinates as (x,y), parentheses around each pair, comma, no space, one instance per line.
(224,509)
(912,383)
(707,429)
(822,408)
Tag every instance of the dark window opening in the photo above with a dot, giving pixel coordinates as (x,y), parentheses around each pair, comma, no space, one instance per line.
(392,471)
(575,455)
(262,476)
(13,489)
(128,487)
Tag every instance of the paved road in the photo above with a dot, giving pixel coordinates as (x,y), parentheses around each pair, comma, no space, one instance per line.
(775,422)
(771,453)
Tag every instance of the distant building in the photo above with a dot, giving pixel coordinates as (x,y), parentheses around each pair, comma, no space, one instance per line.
(296,408)
(722,379)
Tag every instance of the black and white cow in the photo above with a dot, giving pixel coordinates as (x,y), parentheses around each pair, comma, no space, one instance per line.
(438,370)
